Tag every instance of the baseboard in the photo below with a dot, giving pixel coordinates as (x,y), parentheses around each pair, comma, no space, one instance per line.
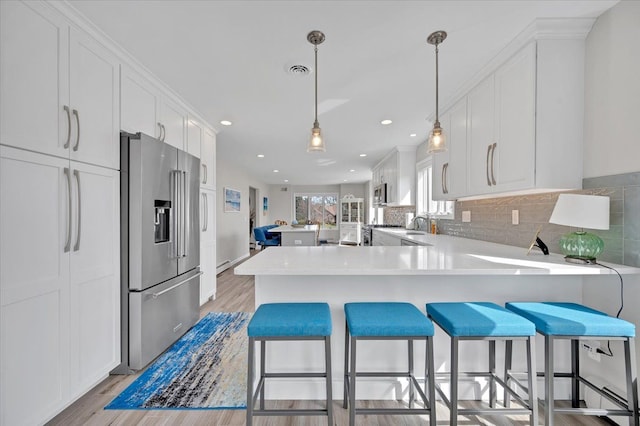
(228,264)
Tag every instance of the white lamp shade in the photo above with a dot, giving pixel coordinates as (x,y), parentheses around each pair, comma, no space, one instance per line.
(581,211)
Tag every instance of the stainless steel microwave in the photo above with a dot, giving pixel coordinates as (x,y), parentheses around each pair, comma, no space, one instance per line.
(380,195)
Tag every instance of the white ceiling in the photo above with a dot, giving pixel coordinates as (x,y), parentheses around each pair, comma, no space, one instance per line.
(228,59)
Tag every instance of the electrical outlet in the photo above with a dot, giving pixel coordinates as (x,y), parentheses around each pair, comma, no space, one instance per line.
(466,216)
(515,217)
(592,346)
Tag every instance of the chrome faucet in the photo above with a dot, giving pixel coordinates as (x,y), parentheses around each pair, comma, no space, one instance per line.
(415,222)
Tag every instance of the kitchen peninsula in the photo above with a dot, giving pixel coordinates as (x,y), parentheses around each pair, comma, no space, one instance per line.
(296,235)
(448,269)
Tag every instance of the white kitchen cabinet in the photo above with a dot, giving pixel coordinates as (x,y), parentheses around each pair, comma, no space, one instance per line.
(144,108)
(398,171)
(207,245)
(59,281)
(195,133)
(450,167)
(351,217)
(524,121)
(208,159)
(60,88)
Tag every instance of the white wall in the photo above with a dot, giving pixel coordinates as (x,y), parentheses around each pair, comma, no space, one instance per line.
(612,93)
(612,146)
(232,229)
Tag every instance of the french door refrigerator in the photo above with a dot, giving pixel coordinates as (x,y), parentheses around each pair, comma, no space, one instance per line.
(160,247)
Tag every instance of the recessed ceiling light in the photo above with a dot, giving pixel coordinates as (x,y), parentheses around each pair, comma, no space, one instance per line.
(386,122)
(260,155)
(345,180)
(352,170)
(276,171)
(226,123)
(286,180)
(413,135)
(363,155)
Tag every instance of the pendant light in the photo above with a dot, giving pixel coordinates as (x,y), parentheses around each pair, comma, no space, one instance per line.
(437,139)
(316,143)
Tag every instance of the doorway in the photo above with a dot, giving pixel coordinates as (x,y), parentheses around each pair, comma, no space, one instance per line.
(253,197)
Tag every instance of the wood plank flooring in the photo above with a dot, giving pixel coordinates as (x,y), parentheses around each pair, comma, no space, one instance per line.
(236,293)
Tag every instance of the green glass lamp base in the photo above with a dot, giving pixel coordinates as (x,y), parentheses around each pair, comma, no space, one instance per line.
(581,247)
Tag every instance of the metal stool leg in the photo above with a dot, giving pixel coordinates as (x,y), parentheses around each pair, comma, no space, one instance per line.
(430,379)
(632,380)
(548,379)
(508,355)
(346,365)
(575,373)
(411,394)
(250,362)
(532,376)
(327,363)
(352,384)
(263,373)
(492,372)
(454,382)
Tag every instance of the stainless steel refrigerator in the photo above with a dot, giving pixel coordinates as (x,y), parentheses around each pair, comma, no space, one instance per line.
(160,247)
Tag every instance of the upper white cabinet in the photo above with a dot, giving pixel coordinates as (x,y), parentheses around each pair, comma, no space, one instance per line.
(208,159)
(398,171)
(450,167)
(60,88)
(501,124)
(146,109)
(523,126)
(195,133)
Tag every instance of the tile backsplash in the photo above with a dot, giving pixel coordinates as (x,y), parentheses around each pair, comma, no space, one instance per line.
(491,219)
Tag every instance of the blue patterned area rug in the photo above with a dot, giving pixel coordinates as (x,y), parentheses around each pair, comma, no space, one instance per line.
(205,369)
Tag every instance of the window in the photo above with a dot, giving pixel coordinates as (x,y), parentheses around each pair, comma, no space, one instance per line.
(316,208)
(425,205)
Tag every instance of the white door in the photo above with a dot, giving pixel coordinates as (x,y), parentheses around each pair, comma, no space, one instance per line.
(34,78)
(207,245)
(480,128)
(95,274)
(208,159)
(34,291)
(515,112)
(138,110)
(95,101)
(173,119)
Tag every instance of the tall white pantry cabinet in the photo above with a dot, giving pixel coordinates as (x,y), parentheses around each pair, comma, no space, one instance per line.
(61,113)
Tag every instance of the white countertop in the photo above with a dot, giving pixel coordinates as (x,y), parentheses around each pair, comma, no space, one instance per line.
(446,256)
(289,228)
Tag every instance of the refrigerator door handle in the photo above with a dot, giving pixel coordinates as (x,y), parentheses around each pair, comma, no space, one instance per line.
(160,293)
(175,233)
(186,217)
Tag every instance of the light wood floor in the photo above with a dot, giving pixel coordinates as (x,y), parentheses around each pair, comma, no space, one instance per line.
(236,293)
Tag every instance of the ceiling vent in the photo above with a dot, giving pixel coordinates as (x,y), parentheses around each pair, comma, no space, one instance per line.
(299,70)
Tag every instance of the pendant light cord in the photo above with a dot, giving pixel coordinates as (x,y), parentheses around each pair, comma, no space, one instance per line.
(316,85)
(437,119)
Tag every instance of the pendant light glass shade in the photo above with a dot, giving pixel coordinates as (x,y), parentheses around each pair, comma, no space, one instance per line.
(316,143)
(437,139)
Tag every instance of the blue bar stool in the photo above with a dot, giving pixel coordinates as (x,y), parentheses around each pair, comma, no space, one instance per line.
(485,321)
(556,320)
(387,321)
(287,321)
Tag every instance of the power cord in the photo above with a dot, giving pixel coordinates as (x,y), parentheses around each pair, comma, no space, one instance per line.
(600,351)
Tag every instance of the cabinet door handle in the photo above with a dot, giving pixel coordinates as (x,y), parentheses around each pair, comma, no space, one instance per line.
(487,168)
(67,244)
(493,154)
(205,210)
(66,144)
(444,166)
(206,173)
(76,173)
(164,132)
(446,178)
(75,112)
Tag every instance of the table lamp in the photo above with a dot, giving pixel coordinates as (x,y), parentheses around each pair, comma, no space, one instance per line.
(581,211)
